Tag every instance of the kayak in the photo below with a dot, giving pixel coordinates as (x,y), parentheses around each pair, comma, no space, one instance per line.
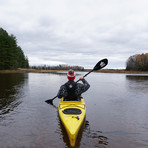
(72,115)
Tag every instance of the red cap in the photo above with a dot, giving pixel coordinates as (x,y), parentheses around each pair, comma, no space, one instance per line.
(71,75)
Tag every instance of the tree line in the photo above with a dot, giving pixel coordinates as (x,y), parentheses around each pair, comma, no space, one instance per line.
(138,62)
(58,67)
(11,55)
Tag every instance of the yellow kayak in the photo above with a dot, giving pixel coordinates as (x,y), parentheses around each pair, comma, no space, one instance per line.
(72,115)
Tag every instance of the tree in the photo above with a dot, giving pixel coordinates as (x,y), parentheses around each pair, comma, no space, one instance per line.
(11,55)
(137,62)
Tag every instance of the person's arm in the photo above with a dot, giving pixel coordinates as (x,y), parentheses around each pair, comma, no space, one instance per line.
(85,84)
(62,92)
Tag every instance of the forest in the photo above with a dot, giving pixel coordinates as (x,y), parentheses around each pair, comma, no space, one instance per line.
(11,55)
(138,62)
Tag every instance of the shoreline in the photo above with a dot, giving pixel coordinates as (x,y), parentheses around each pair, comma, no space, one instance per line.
(55,71)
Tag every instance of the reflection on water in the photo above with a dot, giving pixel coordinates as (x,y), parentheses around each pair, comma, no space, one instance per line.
(138,82)
(97,135)
(10,91)
(137,78)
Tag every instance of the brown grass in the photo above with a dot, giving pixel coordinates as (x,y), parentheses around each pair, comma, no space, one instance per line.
(54,71)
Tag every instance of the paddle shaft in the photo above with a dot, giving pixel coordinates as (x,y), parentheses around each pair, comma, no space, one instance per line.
(86,75)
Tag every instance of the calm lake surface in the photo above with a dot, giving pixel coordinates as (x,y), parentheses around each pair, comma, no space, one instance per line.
(117,111)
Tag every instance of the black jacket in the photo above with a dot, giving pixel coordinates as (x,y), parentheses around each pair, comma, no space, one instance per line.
(72,90)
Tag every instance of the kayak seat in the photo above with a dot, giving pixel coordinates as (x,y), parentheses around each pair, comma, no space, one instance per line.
(76,99)
(73,111)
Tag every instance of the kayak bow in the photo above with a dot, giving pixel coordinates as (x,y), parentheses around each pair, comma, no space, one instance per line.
(72,115)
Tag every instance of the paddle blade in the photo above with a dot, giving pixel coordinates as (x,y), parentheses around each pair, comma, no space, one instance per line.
(49,101)
(101,64)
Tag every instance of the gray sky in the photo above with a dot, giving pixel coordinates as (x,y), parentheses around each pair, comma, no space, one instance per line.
(77,32)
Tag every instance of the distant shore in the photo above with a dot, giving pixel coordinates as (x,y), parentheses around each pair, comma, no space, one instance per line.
(55,71)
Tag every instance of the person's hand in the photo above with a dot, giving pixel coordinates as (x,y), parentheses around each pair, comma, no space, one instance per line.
(81,78)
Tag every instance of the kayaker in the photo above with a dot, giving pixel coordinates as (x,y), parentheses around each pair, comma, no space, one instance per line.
(71,91)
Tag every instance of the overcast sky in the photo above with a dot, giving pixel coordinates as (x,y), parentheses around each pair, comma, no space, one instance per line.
(77,32)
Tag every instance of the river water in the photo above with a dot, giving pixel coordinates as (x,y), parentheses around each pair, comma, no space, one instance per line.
(117,111)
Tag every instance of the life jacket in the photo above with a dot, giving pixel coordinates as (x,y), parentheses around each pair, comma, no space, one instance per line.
(71,87)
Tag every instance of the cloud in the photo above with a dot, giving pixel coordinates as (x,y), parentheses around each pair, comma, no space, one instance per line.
(77,32)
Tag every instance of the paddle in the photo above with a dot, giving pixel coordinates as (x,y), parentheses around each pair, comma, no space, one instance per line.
(98,66)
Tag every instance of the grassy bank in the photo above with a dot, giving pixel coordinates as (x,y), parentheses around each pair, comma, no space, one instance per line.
(123,71)
(54,71)
(27,71)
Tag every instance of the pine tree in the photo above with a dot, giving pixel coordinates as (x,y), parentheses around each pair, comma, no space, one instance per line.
(11,55)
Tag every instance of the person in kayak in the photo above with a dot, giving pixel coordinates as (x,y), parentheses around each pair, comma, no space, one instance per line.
(71,91)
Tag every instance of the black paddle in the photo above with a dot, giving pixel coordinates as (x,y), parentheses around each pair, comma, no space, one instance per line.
(98,66)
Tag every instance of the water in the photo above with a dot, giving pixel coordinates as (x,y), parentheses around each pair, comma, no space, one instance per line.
(117,111)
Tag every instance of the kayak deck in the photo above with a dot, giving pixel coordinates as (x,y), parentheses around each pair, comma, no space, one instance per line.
(72,114)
